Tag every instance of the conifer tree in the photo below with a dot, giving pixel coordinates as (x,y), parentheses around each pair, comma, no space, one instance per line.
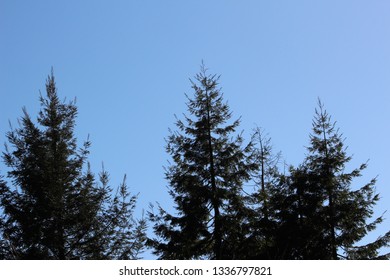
(205,180)
(266,179)
(322,216)
(346,211)
(52,205)
(297,228)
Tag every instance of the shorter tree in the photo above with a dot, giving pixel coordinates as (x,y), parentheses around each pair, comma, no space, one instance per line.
(266,179)
(321,216)
(294,205)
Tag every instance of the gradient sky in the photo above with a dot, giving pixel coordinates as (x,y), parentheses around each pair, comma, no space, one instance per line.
(129,63)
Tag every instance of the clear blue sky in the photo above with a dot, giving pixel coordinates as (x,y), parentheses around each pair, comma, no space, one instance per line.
(128,63)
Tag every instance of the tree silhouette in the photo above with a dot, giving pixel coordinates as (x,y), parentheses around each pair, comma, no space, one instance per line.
(53,207)
(206,178)
(320,215)
(346,211)
(266,179)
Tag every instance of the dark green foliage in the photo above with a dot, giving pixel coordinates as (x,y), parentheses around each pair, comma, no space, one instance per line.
(294,205)
(260,242)
(320,215)
(55,208)
(205,179)
(345,211)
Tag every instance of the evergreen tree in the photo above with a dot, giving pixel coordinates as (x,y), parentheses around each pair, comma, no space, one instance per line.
(297,228)
(53,208)
(346,211)
(205,179)
(321,216)
(266,179)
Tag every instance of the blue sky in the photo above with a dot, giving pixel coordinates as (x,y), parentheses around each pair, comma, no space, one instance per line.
(128,63)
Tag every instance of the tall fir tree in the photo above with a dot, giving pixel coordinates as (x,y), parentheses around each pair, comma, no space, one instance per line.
(210,166)
(346,211)
(53,207)
(321,215)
